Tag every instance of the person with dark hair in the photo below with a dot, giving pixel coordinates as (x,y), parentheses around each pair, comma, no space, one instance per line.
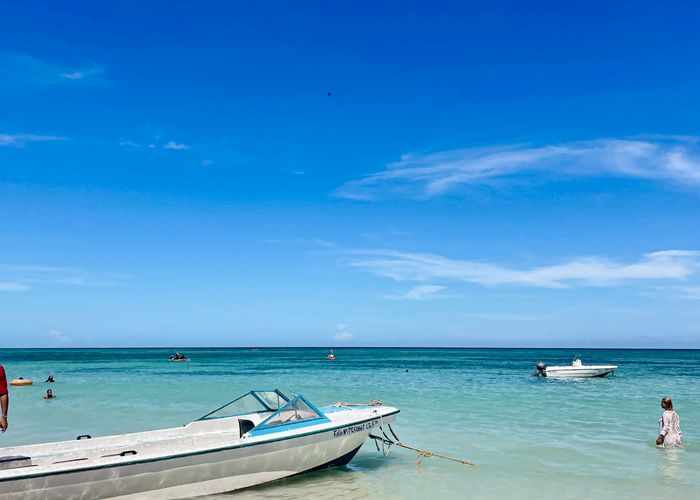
(49,394)
(50,380)
(4,399)
(669,425)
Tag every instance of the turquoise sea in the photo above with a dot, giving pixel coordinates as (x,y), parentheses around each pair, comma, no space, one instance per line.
(530,437)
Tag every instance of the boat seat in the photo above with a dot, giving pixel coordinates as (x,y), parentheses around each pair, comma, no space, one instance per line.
(245,425)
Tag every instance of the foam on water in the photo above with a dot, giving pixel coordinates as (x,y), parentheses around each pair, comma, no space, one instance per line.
(530,436)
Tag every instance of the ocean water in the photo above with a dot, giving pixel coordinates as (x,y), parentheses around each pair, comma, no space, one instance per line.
(534,437)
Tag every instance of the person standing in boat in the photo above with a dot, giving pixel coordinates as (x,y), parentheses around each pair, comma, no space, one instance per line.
(669,425)
(4,399)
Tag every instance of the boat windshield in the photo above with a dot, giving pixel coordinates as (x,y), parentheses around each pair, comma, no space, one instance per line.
(251,402)
(297,411)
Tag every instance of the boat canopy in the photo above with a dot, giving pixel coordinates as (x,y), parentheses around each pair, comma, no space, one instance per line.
(251,402)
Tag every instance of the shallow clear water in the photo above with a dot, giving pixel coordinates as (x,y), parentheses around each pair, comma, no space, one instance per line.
(529,436)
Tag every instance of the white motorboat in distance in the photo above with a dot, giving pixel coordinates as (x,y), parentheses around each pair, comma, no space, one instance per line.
(574,370)
(258,437)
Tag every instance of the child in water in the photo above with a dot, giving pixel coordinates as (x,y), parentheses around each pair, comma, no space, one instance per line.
(669,425)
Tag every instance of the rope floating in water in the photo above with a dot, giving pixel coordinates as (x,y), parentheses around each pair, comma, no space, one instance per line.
(421,453)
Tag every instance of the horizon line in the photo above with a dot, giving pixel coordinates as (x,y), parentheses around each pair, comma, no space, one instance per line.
(370,347)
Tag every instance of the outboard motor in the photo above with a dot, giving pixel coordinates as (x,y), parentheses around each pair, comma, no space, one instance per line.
(540,372)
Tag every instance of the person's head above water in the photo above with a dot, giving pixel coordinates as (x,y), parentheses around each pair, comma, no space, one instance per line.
(666,403)
(49,394)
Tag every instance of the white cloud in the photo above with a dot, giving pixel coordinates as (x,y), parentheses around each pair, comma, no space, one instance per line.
(690,292)
(18,68)
(206,163)
(675,159)
(130,143)
(58,337)
(506,317)
(297,172)
(420,292)
(83,74)
(22,276)
(176,146)
(19,140)
(583,271)
(171,145)
(13,287)
(342,334)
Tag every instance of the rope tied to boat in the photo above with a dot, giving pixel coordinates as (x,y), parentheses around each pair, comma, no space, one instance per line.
(423,454)
(385,440)
(374,402)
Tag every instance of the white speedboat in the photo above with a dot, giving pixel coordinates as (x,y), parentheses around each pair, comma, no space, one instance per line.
(574,370)
(258,437)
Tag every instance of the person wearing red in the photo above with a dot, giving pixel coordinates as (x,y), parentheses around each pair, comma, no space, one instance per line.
(4,399)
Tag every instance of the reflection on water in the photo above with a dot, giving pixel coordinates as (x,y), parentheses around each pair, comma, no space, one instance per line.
(670,462)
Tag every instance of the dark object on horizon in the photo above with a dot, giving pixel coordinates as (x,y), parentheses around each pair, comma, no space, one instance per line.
(407,370)
(329,94)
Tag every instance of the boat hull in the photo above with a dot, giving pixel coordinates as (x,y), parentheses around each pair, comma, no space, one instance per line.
(578,372)
(201,473)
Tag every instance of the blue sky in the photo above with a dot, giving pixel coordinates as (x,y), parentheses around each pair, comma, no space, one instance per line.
(480,175)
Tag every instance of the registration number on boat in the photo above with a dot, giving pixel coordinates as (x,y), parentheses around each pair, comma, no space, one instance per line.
(354,429)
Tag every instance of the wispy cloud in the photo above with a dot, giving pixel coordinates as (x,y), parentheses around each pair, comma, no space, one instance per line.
(171,145)
(25,69)
(83,74)
(20,140)
(23,277)
(129,143)
(13,287)
(176,146)
(690,292)
(58,337)
(420,292)
(342,334)
(673,159)
(505,316)
(583,271)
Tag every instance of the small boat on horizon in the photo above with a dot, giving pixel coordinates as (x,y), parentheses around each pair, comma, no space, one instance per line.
(178,357)
(574,370)
(331,356)
(256,438)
